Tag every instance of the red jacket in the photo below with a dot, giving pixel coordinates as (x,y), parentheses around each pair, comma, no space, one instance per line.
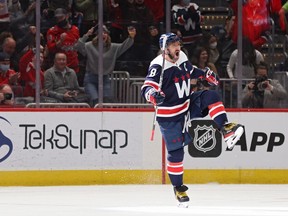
(23,62)
(67,46)
(255,19)
(4,78)
(157,8)
(30,80)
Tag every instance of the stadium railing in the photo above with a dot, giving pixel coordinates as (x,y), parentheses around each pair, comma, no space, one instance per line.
(58,105)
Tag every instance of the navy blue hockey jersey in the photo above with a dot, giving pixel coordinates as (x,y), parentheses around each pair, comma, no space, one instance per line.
(188,21)
(176,85)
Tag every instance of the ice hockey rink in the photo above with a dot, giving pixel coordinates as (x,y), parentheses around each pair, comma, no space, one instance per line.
(138,200)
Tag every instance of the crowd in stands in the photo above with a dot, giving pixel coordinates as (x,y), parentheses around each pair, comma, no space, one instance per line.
(131,32)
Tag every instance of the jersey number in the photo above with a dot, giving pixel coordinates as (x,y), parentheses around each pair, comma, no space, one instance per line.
(152,72)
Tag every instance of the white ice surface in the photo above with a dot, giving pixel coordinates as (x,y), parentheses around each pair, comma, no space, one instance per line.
(144,200)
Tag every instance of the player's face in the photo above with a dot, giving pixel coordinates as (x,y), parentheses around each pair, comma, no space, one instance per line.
(174,50)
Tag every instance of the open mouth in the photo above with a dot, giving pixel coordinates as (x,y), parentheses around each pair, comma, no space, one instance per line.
(177,53)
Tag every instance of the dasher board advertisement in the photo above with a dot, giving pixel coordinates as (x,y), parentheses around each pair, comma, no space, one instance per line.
(82,140)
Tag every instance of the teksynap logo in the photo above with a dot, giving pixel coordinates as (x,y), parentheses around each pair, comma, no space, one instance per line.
(6,145)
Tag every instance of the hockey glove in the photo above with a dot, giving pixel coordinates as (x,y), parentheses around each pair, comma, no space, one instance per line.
(155,97)
(211,77)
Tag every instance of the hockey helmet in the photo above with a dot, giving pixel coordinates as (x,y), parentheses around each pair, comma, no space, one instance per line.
(167,39)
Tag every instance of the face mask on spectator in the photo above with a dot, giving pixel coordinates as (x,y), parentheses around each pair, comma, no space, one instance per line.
(4,68)
(62,23)
(213,45)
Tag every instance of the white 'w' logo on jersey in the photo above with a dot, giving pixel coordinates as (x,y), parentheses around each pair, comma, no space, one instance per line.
(189,24)
(185,88)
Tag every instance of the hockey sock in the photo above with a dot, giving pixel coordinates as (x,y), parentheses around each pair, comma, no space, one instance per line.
(218,114)
(175,172)
(175,167)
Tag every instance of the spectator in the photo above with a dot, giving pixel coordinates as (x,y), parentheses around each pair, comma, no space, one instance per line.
(187,19)
(49,7)
(255,19)
(250,57)
(200,59)
(137,15)
(61,84)
(157,11)
(25,59)
(9,46)
(89,9)
(7,75)
(263,92)
(6,95)
(4,16)
(25,4)
(128,10)
(213,49)
(111,52)
(154,39)
(23,28)
(141,18)
(3,36)
(30,76)
(225,46)
(115,16)
(15,10)
(62,38)
(141,53)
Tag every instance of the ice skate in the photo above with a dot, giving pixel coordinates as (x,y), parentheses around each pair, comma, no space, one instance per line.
(181,196)
(232,133)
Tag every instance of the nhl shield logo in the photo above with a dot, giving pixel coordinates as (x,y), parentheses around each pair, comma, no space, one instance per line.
(207,140)
(204,139)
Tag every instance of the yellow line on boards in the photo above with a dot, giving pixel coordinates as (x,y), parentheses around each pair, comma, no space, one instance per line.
(78,177)
(102,177)
(246,176)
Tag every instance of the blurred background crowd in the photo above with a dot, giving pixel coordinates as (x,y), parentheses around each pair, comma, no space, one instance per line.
(131,31)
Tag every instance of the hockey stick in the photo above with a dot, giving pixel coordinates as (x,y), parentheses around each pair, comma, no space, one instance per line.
(160,86)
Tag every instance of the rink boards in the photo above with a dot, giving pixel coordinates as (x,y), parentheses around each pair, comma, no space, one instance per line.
(88,146)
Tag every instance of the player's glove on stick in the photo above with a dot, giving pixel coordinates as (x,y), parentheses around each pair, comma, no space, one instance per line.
(155,97)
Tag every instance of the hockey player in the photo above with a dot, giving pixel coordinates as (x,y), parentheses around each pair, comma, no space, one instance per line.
(167,87)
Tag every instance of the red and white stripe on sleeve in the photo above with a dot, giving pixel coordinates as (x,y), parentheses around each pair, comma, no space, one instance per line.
(216,109)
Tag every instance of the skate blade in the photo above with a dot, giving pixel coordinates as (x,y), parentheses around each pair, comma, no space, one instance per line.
(238,133)
(183,204)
